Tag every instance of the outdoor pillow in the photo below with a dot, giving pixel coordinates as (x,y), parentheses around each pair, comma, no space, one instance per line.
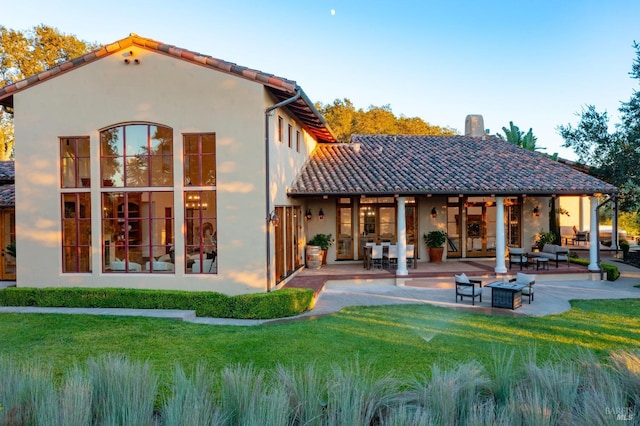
(462,278)
(524,278)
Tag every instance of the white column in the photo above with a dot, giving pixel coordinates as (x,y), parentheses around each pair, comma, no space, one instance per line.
(615,243)
(593,236)
(501,267)
(402,239)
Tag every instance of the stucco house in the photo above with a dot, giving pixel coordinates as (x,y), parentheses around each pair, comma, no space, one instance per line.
(145,165)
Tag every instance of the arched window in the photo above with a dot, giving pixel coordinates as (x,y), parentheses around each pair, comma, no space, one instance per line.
(137,217)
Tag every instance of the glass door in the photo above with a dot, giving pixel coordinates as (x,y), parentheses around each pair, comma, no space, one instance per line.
(481,227)
(454,228)
(8,235)
(344,241)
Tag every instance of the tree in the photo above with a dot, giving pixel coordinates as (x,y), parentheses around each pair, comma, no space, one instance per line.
(613,156)
(517,137)
(23,54)
(345,120)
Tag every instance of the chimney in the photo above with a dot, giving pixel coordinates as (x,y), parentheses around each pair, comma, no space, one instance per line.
(474,125)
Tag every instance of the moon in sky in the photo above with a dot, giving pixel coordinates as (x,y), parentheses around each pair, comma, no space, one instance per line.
(333,12)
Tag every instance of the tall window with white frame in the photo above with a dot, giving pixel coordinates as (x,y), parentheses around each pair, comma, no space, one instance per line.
(136,167)
(75,204)
(200,204)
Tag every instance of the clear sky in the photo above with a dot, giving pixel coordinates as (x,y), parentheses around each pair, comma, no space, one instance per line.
(536,63)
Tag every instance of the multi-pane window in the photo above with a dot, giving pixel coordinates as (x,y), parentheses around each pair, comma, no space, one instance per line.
(201,239)
(200,159)
(137,226)
(137,155)
(75,206)
(75,162)
(76,232)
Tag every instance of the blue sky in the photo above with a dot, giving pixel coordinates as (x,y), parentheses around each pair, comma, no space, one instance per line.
(536,63)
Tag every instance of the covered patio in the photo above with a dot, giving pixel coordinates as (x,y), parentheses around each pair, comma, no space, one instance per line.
(426,274)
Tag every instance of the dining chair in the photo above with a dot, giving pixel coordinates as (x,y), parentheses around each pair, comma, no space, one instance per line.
(376,256)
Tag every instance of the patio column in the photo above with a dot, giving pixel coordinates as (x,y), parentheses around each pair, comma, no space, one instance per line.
(501,267)
(402,239)
(593,236)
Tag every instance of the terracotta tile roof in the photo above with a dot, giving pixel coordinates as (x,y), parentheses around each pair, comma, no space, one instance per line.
(7,171)
(281,88)
(405,165)
(8,195)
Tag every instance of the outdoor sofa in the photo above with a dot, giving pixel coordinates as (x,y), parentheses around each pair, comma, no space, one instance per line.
(554,252)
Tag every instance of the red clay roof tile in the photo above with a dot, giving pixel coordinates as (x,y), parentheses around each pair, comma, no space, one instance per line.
(280,87)
(452,165)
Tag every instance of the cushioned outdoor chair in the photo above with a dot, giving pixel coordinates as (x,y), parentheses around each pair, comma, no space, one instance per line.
(466,287)
(528,280)
(519,257)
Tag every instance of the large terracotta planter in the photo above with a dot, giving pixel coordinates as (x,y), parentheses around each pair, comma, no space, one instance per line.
(435,254)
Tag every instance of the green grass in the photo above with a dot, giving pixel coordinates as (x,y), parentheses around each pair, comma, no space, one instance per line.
(403,339)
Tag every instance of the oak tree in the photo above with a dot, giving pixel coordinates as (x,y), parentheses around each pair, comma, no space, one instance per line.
(25,53)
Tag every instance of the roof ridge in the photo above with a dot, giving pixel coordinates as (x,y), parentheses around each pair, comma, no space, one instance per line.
(148,43)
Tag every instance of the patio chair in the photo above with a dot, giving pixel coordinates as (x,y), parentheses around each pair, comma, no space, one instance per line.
(528,280)
(519,257)
(376,256)
(390,258)
(466,287)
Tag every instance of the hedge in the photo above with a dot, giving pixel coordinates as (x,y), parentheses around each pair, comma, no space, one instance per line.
(611,270)
(275,304)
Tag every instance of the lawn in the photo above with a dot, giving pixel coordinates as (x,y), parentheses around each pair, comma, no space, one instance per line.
(403,339)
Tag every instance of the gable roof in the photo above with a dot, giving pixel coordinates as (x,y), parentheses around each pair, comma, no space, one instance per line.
(448,165)
(280,88)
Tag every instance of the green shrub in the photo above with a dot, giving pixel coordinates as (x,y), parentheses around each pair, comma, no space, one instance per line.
(624,246)
(611,270)
(276,304)
(545,238)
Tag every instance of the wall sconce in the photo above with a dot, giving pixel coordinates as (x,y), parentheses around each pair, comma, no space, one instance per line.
(308,214)
(320,214)
(536,211)
(434,213)
(274,219)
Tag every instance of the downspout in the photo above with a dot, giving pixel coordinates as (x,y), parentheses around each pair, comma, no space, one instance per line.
(267,114)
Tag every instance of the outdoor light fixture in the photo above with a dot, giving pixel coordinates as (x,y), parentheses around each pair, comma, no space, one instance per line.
(320,214)
(308,214)
(434,213)
(536,211)
(274,219)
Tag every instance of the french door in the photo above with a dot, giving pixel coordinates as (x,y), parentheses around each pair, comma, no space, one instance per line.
(7,235)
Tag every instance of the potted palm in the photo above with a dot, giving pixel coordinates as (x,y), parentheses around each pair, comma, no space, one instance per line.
(435,245)
(324,241)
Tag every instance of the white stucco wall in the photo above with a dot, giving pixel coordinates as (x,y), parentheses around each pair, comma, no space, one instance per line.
(164,90)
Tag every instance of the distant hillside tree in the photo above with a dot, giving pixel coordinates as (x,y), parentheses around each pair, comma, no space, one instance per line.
(345,120)
(25,53)
(613,156)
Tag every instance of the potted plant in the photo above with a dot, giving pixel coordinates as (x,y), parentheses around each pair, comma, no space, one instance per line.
(435,245)
(324,241)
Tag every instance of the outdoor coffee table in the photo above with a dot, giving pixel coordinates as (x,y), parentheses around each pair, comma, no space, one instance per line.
(506,295)
(541,263)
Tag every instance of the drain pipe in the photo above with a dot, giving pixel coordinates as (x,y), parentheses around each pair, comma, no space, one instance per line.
(267,113)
